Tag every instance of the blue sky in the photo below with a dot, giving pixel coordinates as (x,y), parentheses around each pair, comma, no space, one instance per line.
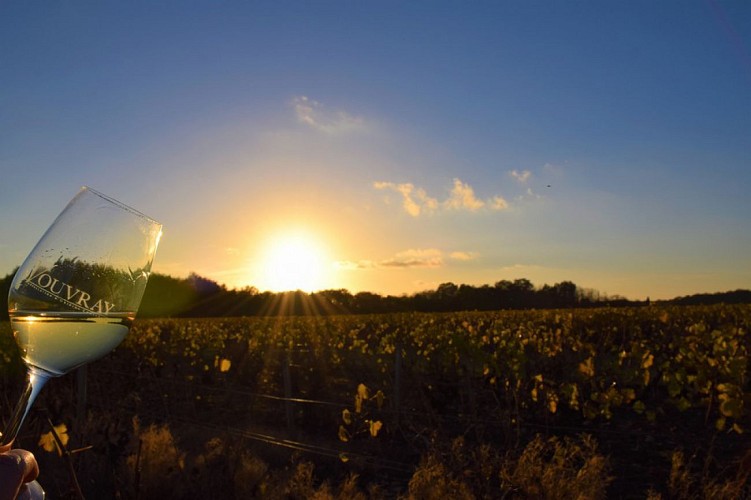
(392,146)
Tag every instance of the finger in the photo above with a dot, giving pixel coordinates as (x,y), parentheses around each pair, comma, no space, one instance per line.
(16,468)
(29,464)
(12,470)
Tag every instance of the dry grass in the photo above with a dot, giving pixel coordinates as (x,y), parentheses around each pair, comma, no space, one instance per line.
(556,468)
(547,468)
(687,484)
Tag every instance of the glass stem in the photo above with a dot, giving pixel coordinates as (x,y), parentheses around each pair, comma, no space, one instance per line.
(35,380)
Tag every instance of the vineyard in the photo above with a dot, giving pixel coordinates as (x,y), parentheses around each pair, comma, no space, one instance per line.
(638,402)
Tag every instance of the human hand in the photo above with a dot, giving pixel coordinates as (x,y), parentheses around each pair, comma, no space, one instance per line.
(17,467)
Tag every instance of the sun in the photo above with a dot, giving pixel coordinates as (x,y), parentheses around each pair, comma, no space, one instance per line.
(294,261)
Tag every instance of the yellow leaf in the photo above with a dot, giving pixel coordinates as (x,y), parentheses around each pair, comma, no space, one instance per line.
(574,398)
(647,360)
(48,442)
(375,427)
(552,405)
(224,365)
(343,457)
(362,391)
(587,367)
(347,416)
(343,434)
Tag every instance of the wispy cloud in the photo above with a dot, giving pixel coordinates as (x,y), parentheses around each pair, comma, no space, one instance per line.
(416,201)
(529,195)
(353,265)
(421,257)
(462,197)
(429,257)
(521,268)
(463,256)
(498,203)
(528,181)
(522,176)
(318,117)
(414,257)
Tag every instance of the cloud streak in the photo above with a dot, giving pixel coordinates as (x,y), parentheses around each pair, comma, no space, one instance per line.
(315,115)
(416,201)
(463,256)
(414,257)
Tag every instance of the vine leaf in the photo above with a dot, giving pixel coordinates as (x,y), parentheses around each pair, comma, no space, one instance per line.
(343,434)
(375,426)
(587,367)
(49,443)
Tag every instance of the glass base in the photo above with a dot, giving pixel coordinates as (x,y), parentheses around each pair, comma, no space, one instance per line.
(31,491)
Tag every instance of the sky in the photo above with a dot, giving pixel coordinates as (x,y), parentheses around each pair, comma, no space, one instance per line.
(392,146)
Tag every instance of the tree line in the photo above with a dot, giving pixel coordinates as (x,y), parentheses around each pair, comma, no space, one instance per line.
(197,296)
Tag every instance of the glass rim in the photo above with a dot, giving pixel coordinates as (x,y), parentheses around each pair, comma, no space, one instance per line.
(121,205)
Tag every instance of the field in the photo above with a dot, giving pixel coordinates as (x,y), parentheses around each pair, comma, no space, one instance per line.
(639,402)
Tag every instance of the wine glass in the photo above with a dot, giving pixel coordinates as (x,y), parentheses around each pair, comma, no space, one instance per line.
(76,295)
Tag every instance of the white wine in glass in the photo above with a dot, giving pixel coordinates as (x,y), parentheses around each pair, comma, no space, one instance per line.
(76,295)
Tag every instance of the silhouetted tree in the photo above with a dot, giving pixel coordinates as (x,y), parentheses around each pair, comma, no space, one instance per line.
(195,296)
(4,290)
(166,296)
(367,302)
